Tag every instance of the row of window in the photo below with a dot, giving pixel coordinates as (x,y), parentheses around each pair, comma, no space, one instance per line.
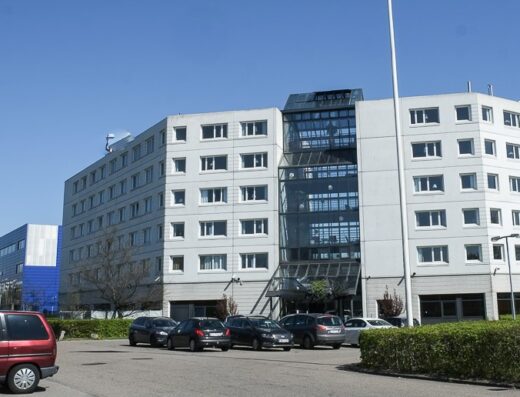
(473,252)
(11,248)
(470,217)
(466,147)
(462,113)
(468,182)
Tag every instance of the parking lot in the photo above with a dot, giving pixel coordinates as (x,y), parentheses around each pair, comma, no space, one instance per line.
(112,368)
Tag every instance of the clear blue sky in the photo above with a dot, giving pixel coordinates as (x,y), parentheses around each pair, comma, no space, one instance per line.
(71,71)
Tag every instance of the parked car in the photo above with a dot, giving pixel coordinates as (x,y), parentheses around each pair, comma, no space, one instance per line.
(354,326)
(259,332)
(401,321)
(314,329)
(27,351)
(198,333)
(152,330)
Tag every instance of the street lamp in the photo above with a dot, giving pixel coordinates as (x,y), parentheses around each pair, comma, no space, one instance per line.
(497,238)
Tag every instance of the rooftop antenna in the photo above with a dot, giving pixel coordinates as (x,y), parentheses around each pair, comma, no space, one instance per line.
(490,89)
(469,85)
(108,138)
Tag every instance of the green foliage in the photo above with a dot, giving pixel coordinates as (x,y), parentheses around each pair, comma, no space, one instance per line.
(319,289)
(476,350)
(115,328)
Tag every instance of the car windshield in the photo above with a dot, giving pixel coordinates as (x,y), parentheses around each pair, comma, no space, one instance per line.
(211,324)
(264,323)
(329,321)
(164,322)
(378,323)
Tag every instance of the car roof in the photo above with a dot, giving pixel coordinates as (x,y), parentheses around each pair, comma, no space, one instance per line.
(315,315)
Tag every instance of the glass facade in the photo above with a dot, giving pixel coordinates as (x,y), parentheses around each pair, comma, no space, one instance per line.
(319,207)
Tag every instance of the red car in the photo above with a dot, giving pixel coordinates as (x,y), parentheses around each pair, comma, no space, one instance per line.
(27,350)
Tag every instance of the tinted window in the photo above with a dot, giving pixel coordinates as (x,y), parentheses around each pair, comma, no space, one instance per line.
(378,323)
(164,322)
(264,323)
(288,321)
(300,320)
(329,321)
(211,324)
(350,324)
(182,325)
(139,321)
(25,327)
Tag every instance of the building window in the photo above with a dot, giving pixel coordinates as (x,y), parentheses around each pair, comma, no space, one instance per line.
(428,183)
(162,168)
(254,226)
(178,197)
(177,263)
(147,235)
(122,214)
(514,183)
(213,262)
(136,152)
(471,216)
(213,195)
(75,187)
(473,253)
(124,160)
(430,218)
(101,197)
(179,165)
(177,230)
(161,199)
(487,114)
(468,181)
(111,192)
(180,134)
(213,228)
(133,239)
(511,119)
(111,218)
(134,209)
(434,254)
(517,252)
(466,147)
(150,145)
(254,193)
(134,181)
(495,216)
(513,151)
(214,131)
(122,187)
(159,229)
(426,149)
(213,163)
(254,160)
(254,261)
(252,128)
(112,166)
(162,134)
(147,205)
(492,180)
(91,201)
(516,217)
(463,113)
(424,116)
(148,175)
(490,147)
(498,252)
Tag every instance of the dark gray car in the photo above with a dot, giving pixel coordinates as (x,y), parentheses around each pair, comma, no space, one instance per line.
(152,330)
(314,329)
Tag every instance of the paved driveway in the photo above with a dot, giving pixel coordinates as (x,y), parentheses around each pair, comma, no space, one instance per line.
(113,369)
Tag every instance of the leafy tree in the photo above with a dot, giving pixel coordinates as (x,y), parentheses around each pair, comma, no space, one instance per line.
(226,307)
(390,305)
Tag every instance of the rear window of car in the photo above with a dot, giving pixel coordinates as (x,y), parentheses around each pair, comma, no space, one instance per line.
(211,324)
(25,327)
(139,321)
(264,323)
(378,323)
(164,322)
(329,321)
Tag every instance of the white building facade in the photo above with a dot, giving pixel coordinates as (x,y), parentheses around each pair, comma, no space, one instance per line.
(462,173)
(197,196)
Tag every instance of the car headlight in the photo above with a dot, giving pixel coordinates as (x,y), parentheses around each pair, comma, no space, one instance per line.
(162,333)
(267,336)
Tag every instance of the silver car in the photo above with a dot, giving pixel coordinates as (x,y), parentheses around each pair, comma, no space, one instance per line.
(354,326)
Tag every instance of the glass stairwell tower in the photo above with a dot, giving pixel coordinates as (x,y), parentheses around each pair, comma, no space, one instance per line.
(319,215)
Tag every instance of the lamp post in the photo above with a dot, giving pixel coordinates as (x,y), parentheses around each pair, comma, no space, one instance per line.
(498,238)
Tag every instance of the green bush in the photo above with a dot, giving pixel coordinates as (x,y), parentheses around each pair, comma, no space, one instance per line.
(116,328)
(477,350)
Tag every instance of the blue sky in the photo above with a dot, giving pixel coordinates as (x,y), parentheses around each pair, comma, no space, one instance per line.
(72,71)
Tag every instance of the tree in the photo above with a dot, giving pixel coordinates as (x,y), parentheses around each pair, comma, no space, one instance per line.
(226,307)
(118,279)
(390,305)
(319,290)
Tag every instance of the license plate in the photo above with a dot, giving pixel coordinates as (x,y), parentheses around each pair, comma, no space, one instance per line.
(334,331)
(283,340)
(215,334)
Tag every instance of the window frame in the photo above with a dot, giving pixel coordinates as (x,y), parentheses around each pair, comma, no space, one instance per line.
(440,218)
(477,211)
(436,149)
(244,260)
(473,179)
(244,128)
(418,178)
(443,252)
(472,147)
(468,108)
(174,231)
(414,119)
(479,247)
(493,146)
(244,194)
(223,131)
(207,229)
(204,165)
(222,265)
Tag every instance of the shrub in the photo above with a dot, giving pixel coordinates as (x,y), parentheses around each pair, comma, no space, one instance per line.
(115,328)
(484,350)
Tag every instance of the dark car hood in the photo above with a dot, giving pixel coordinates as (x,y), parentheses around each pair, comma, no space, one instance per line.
(165,329)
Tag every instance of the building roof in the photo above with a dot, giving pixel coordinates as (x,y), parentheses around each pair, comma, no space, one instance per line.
(323,100)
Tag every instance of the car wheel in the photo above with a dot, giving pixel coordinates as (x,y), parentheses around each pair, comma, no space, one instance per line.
(131,340)
(169,344)
(336,346)
(193,345)
(307,343)
(287,349)
(23,378)
(225,348)
(256,344)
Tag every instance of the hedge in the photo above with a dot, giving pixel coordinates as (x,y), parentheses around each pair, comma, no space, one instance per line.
(473,350)
(116,328)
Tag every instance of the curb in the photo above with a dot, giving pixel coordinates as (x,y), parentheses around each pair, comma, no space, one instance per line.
(477,382)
